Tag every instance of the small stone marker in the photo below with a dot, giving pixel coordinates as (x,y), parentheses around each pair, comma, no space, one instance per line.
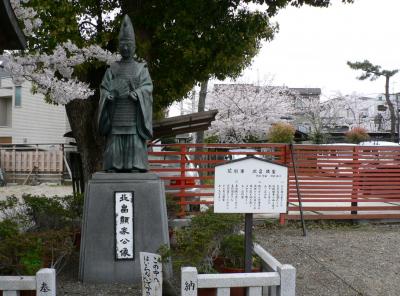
(124,248)
(189,281)
(250,185)
(46,282)
(151,267)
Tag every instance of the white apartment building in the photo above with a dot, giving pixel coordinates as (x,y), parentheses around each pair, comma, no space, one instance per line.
(26,118)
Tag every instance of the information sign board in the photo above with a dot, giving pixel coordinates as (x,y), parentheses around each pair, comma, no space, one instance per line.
(250,185)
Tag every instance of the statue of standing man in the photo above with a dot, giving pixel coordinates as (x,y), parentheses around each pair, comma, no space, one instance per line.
(126,108)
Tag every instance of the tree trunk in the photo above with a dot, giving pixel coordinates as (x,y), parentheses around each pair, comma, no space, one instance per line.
(82,116)
(200,134)
(201,107)
(391,110)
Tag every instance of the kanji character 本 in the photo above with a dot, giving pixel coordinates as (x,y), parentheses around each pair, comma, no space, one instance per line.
(124,252)
(124,209)
(44,287)
(124,230)
(189,286)
(123,197)
(124,220)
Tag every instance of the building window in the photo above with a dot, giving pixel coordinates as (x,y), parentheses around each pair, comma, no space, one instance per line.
(5,140)
(17,96)
(5,111)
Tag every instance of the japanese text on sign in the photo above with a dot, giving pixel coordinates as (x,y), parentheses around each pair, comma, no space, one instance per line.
(151,267)
(250,186)
(124,226)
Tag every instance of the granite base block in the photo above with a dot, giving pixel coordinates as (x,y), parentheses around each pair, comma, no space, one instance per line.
(97,262)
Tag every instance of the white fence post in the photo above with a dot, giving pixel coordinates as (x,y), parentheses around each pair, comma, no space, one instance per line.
(46,282)
(10,293)
(189,281)
(288,280)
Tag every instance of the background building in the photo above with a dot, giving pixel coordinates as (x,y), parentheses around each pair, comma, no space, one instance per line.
(26,118)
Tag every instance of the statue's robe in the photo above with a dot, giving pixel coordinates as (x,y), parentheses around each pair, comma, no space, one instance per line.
(126,123)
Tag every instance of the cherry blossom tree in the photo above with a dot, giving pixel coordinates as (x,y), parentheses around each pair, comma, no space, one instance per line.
(52,73)
(70,43)
(246,111)
(65,59)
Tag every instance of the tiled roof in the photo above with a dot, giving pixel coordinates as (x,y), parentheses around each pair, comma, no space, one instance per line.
(307,91)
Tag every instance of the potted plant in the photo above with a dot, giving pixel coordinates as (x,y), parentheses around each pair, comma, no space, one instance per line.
(199,243)
(231,255)
(231,259)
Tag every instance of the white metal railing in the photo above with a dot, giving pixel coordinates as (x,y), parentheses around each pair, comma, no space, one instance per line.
(44,283)
(278,280)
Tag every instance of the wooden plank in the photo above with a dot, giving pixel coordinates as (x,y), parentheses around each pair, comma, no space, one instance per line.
(41,161)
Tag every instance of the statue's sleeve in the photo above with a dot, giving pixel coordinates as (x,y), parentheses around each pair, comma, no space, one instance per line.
(104,114)
(145,98)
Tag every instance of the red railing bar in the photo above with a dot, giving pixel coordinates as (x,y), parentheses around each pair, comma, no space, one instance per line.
(339,208)
(343,200)
(344,216)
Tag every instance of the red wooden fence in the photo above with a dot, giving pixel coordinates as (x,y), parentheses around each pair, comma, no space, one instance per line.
(335,182)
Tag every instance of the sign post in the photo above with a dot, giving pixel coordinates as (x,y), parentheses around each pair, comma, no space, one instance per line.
(250,185)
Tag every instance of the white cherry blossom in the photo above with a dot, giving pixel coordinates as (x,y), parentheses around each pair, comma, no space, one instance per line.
(246,110)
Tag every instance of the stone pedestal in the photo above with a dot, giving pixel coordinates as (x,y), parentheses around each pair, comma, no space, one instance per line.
(97,262)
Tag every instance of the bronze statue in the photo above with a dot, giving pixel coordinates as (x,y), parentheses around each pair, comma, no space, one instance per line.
(125,108)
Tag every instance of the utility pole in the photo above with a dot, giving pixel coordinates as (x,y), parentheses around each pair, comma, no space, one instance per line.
(398,117)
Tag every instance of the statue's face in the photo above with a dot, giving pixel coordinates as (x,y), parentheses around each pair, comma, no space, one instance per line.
(126,49)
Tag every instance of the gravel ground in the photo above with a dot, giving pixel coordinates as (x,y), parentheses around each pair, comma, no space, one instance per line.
(42,189)
(341,261)
(335,260)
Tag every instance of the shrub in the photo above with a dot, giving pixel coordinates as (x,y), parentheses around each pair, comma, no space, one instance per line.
(54,212)
(198,244)
(233,250)
(281,132)
(357,135)
(318,137)
(26,253)
(37,232)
